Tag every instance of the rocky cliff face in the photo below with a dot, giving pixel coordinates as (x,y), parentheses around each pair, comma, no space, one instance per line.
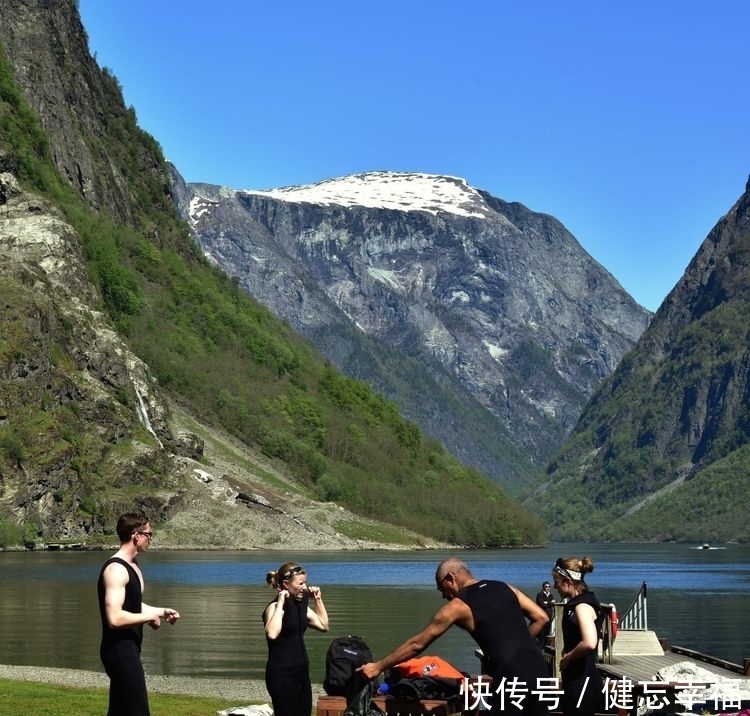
(507,322)
(86,434)
(81,416)
(48,47)
(699,342)
(99,424)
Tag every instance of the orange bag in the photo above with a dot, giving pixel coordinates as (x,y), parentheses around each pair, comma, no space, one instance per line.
(427,666)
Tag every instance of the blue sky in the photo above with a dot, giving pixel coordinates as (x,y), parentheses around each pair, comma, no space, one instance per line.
(627,121)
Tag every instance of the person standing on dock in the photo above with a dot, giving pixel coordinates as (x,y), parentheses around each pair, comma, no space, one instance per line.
(581,625)
(123,614)
(546,600)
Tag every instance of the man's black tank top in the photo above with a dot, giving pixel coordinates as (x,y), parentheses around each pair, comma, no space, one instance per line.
(288,650)
(133,603)
(501,631)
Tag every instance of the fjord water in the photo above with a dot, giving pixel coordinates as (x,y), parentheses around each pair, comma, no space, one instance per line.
(49,616)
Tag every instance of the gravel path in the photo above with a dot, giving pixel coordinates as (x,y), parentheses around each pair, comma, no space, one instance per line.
(243,692)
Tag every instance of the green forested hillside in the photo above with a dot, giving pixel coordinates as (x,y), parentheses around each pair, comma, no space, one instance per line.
(231,362)
(662,451)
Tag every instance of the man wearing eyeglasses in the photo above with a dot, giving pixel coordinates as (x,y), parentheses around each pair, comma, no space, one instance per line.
(123,614)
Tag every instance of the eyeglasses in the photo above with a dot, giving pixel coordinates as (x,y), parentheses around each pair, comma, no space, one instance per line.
(440,583)
(148,535)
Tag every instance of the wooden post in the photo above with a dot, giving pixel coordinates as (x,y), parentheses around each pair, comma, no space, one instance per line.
(558,640)
(746,667)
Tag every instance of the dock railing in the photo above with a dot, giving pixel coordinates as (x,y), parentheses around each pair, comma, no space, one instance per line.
(635,618)
(636,615)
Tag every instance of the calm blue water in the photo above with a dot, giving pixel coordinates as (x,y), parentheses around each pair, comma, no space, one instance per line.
(49,615)
(686,568)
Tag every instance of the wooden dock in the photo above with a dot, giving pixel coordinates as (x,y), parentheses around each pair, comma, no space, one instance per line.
(636,653)
(637,642)
(639,657)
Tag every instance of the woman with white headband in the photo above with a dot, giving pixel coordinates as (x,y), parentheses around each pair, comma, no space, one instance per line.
(286,618)
(581,626)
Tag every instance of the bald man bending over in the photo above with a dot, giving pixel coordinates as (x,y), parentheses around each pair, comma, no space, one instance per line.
(495,614)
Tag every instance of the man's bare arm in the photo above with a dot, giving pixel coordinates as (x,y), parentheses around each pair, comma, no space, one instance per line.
(115,581)
(455,612)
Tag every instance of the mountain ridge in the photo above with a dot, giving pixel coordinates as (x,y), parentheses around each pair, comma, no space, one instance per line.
(428,302)
(495,304)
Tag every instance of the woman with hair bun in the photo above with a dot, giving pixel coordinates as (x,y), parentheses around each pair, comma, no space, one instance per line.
(286,618)
(581,626)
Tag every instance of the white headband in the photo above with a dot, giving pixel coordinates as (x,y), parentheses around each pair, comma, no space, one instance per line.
(570,573)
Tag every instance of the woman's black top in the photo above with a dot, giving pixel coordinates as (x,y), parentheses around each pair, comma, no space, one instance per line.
(582,682)
(572,635)
(288,650)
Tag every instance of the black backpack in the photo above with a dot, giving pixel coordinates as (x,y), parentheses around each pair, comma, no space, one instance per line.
(344,655)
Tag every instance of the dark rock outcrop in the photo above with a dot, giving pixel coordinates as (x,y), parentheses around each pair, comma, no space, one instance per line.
(74,99)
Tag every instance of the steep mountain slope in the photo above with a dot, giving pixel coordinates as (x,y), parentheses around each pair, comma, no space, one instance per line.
(86,433)
(112,314)
(662,451)
(487,323)
(69,385)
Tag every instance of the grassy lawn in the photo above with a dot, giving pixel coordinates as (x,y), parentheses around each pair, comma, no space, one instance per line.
(24,697)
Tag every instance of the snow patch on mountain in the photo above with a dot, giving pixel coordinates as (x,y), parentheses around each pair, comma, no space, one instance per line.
(198,208)
(399,191)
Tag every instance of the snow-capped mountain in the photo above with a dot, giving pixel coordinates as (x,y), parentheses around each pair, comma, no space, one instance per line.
(487,323)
